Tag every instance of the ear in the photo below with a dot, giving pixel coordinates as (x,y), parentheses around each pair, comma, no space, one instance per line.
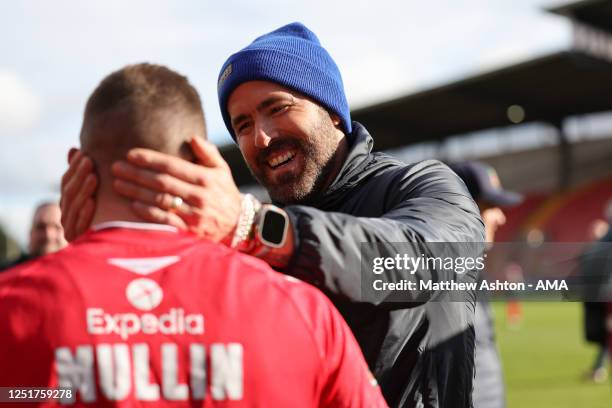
(336,120)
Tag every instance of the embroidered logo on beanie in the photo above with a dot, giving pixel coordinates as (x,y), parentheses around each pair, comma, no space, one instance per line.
(226,73)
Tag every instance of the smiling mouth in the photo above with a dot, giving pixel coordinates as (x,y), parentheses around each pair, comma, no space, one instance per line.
(280,160)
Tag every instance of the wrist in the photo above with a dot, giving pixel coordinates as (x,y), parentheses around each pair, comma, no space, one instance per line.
(263,231)
(242,238)
(272,236)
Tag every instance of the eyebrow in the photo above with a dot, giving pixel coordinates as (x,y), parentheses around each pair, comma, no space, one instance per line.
(266,103)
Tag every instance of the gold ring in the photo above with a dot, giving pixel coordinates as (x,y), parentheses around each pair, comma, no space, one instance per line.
(176,203)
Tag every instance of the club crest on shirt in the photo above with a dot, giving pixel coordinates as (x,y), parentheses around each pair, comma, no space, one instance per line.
(144,294)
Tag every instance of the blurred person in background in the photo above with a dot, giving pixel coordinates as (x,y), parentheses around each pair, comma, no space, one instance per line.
(596,270)
(483,183)
(139,313)
(46,234)
(514,310)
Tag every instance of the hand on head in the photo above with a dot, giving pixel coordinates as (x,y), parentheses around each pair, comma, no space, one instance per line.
(210,198)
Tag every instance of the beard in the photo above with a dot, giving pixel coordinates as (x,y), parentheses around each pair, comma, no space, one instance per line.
(317,150)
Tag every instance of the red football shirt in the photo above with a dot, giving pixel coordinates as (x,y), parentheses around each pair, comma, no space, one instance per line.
(143,315)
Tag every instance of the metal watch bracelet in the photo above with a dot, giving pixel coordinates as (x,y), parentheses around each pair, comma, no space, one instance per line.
(243,239)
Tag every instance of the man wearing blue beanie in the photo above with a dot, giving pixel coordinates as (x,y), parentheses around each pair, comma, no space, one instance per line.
(338,206)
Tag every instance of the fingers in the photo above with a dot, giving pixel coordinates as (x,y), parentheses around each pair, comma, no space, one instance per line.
(74,163)
(78,184)
(151,187)
(143,195)
(79,205)
(157,215)
(207,153)
(85,215)
(72,154)
(161,200)
(74,177)
(163,163)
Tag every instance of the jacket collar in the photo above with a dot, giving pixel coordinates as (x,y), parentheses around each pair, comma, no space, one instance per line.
(352,171)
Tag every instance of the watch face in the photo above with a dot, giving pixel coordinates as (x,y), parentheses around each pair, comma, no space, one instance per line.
(273,227)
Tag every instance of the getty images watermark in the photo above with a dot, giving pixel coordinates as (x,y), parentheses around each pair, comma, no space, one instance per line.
(411,272)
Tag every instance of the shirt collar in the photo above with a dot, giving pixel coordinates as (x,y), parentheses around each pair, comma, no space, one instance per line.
(134,225)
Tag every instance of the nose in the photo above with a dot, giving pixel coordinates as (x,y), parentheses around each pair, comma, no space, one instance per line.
(262,135)
(48,232)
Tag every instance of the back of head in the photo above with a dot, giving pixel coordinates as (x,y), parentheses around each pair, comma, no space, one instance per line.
(141,105)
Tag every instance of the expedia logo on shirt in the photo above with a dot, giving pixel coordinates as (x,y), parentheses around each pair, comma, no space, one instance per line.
(144,294)
(176,321)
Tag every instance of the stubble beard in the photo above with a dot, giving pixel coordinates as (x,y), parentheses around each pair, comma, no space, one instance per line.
(318,154)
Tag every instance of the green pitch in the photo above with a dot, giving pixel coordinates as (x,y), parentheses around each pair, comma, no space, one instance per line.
(545,358)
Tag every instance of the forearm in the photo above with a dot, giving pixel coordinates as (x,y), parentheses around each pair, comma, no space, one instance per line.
(332,250)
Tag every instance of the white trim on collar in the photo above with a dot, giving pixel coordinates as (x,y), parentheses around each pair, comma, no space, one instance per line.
(134,225)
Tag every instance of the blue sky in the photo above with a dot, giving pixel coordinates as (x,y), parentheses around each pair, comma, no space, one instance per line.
(53,54)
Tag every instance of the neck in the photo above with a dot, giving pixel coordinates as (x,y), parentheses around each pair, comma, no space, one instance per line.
(114,210)
(337,162)
(329,174)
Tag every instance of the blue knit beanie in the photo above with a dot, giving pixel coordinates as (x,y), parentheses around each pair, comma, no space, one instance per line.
(291,56)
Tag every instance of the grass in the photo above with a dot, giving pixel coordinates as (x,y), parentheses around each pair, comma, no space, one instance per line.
(545,358)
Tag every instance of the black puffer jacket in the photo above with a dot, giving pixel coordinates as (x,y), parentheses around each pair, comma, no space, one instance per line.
(422,354)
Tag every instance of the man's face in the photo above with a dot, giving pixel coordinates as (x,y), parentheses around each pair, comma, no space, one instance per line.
(288,141)
(493,218)
(47,234)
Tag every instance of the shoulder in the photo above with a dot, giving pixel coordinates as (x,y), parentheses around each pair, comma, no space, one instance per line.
(393,167)
(42,280)
(32,277)
(22,271)
(426,169)
(427,177)
(299,293)
(311,309)
(256,273)
(314,310)
(28,298)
